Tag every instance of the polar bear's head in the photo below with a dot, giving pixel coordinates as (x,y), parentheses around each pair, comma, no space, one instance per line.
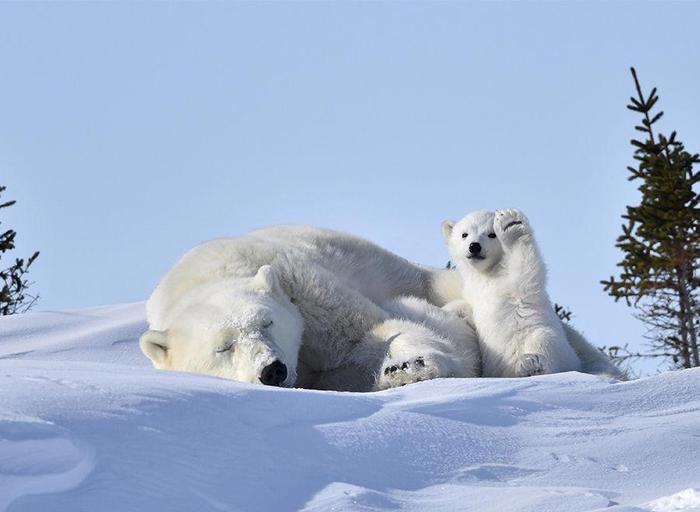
(472,242)
(245,329)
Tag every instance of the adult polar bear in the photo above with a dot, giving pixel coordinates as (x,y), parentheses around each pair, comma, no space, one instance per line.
(297,305)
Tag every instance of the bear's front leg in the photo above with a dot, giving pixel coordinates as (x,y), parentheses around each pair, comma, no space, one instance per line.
(414,353)
(523,260)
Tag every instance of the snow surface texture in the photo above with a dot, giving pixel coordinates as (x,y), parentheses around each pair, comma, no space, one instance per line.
(86,424)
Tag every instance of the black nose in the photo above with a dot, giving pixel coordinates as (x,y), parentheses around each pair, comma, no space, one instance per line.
(475,247)
(274,374)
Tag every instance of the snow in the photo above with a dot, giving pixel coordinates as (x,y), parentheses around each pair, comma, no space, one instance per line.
(87,424)
(688,499)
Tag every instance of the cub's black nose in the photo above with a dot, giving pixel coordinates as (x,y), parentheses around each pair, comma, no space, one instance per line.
(274,374)
(475,247)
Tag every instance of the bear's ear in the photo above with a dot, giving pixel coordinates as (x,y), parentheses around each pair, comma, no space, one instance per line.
(266,280)
(447,227)
(155,345)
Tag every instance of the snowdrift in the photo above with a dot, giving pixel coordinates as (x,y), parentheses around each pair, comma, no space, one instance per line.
(86,424)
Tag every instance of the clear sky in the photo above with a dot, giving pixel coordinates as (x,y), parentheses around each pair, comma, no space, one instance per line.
(131,131)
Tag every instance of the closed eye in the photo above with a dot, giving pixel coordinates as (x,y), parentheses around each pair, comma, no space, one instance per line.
(224,348)
(267,324)
(492,235)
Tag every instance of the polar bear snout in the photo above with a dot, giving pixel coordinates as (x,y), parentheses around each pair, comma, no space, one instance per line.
(475,252)
(274,374)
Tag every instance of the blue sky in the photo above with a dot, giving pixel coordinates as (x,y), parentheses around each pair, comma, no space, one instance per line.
(129,132)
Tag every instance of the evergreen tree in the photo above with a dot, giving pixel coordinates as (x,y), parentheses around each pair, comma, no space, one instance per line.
(661,240)
(14,296)
(563,313)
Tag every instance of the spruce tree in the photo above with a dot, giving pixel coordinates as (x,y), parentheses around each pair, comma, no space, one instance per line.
(661,240)
(14,295)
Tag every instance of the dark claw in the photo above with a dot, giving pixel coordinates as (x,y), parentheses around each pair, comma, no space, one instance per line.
(419,362)
(390,369)
(511,224)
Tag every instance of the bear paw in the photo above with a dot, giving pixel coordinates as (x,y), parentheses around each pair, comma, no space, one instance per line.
(510,224)
(531,364)
(459,307)
(399,373)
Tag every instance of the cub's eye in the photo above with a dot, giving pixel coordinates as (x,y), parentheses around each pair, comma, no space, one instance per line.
(267,324)
(464,235)
(224,348)
(492,235)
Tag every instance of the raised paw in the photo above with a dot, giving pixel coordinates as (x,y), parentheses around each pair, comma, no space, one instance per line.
(531,364)
(510,224)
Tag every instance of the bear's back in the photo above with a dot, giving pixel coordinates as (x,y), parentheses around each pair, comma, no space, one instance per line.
(358,263)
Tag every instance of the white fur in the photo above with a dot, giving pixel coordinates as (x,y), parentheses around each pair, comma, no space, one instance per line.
(448,346)
(211,312)
(504,292)
(592,360)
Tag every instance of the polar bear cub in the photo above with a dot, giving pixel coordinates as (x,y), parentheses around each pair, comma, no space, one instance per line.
(504,281)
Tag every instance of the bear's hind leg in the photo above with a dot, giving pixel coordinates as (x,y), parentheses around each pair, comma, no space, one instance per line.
(545,351)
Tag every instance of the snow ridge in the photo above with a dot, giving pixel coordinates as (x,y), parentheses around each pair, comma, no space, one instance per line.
(87,424)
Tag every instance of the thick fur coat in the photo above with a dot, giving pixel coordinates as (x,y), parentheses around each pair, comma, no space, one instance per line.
(505,295)
(297,305)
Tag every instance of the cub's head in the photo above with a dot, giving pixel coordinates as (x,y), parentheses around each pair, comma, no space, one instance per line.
(472,242)
(245,329)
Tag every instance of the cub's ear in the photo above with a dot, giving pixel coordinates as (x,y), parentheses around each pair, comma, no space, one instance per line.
(155,345)
(266,280)
(447,227)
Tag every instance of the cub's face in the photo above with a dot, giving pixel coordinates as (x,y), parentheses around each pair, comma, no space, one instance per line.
(472,242)
(244,329)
